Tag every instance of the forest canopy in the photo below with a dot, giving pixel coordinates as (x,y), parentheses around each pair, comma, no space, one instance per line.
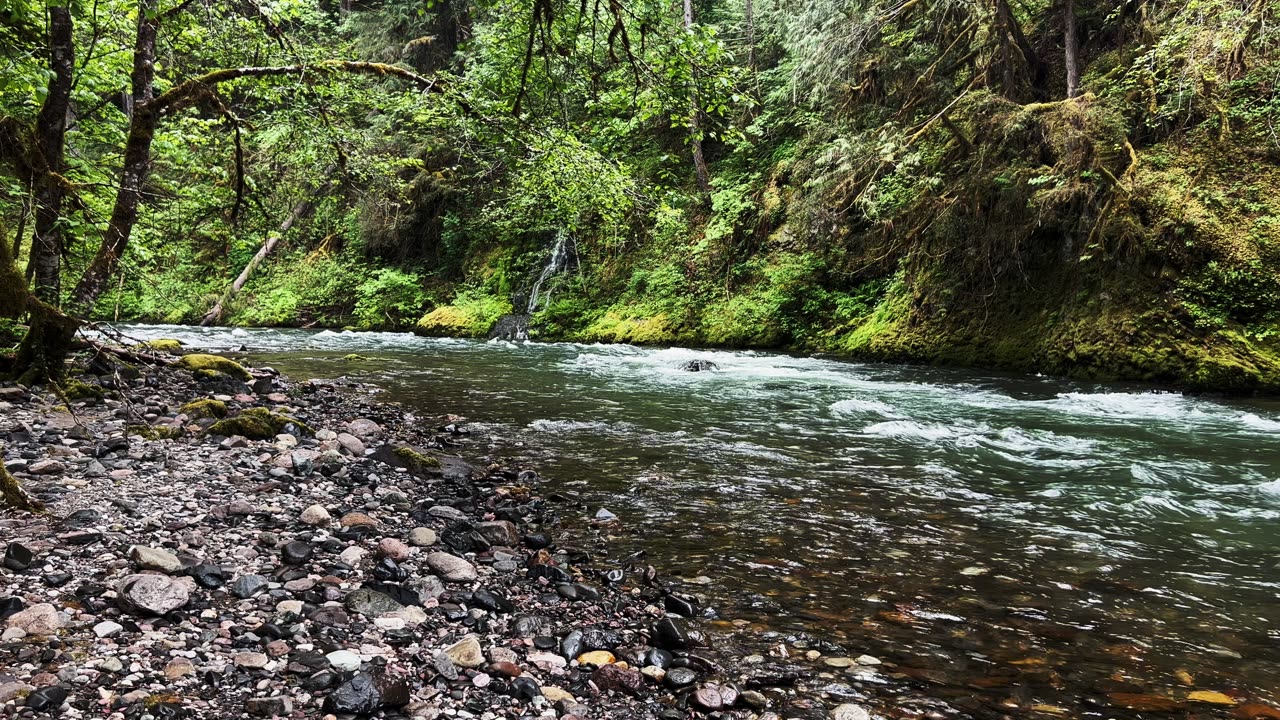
(1071,186)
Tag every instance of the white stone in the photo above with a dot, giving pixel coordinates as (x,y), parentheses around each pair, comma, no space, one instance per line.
(106,628)
(344,660)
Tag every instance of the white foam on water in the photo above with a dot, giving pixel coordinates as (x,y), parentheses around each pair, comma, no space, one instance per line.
(858,406)
(1255,422)
(910,429)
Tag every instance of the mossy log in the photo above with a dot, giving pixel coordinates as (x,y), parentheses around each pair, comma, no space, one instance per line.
(13,495)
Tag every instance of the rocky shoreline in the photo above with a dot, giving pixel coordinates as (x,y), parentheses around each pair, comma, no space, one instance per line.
(224,542)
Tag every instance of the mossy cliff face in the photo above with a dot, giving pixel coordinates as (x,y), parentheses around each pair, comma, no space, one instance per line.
(1070,253)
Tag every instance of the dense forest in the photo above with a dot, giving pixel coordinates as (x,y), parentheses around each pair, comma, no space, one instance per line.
(1079,187)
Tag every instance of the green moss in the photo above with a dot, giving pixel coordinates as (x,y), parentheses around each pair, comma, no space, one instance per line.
(164,345)
(200,409)
(78,390)
(415,461)
(256,424)
(200,362)
(615,328)
(472,314)
(354,357)
(154,432)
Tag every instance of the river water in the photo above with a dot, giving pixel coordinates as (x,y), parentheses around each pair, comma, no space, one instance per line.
(1006,545)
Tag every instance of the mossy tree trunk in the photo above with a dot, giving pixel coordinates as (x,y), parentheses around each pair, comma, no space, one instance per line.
(13,495)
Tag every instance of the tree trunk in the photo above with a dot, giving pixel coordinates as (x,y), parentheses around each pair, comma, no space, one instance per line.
(303,207)
(695,115)
(1072,43)
(51,128)
(13,496)
(137,165)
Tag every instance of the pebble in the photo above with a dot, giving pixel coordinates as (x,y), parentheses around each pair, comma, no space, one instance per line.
(849,711)
(107,628)
(451,567)
(466,652)
(422,537)
(344,660)
(315,516)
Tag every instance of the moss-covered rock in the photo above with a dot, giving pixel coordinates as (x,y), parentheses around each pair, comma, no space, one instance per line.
(201,363)
(353,357)
(79,390)
(257,424)
(201,409)
(154,432)
(164,345)
(415,461)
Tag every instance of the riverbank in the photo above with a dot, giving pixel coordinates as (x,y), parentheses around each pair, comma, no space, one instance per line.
(223,541)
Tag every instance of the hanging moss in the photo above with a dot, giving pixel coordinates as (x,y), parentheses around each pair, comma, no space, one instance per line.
(257,424)
(200,362)
(200,409)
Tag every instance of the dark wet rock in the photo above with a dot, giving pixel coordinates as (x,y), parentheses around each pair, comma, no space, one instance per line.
(658,658)
(671,634)
(492,602)
(296,553)
(525,688)
(83,518)
(463,538)
(359,696)
(618,679)
(388,571)
(154,594)
(530,625)
(698,365)
(18,557)
(246,586)
(572,645)
(681,677)
(679,605)
(47,699)
(208,575)
(537,541)
(578,592)
(10,606)
(57,579)
(411,595)
(601,639)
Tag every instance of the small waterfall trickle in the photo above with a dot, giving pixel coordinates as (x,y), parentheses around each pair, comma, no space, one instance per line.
(559,259)
(516,325)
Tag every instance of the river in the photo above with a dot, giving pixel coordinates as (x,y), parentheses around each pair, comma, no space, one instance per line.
(1006,545)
